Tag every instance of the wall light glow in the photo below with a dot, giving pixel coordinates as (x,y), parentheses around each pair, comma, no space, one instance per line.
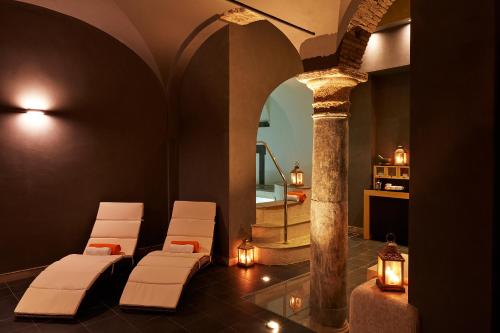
(34,100)
(34,120)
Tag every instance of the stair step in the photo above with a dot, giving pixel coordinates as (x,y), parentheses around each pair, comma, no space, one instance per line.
(280,224)
(279,204)
(271,232)
(278,253)
(292,243)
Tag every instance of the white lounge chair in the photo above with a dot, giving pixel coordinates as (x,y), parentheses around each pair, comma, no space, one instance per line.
(61,287)
(158,279)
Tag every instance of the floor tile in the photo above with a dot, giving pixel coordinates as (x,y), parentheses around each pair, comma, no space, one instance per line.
(207,325)
(7,305)
(10,324)
(111,325)
(53,326)
(161,324)
(20,285)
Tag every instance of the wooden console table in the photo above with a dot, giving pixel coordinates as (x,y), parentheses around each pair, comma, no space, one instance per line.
(366,206)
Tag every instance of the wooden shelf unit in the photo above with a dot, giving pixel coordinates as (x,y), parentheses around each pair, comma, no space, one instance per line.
(390,172)
(366,205)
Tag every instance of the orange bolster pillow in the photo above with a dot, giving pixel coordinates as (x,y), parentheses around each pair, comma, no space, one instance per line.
(115,248)
(196,245)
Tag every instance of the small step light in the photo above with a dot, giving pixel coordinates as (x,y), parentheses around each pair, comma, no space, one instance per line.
(273,325)
(266,278)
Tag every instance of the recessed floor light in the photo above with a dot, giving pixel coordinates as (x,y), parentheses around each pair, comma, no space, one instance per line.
(273,325)
(266,278)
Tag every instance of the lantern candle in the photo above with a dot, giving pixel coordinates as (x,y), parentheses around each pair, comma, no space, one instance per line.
(390,267)
(400,156)
(297,175)
(245,254)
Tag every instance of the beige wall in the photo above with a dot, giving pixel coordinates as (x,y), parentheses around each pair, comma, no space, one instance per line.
(387,49)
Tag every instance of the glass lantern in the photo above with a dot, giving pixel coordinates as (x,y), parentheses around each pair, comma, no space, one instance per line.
(400,156)
(390,267)
(246,254)
(297,175)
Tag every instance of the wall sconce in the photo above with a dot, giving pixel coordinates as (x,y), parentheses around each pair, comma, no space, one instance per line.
(246,254)
(34,120)
(297,175)
(390,267)
(34,113)
(400,156)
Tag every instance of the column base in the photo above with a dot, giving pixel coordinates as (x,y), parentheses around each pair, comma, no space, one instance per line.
(316,327)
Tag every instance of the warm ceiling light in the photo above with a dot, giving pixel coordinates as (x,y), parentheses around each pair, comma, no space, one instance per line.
(273,325)
(266,278)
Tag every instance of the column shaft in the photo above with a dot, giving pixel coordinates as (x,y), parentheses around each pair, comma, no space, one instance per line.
(328,301)
(329,219)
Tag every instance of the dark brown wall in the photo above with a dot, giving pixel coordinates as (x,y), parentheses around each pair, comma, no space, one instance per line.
(452,181)
(361,146)
(104,138)
(204,131)
(380,112)
(391,101)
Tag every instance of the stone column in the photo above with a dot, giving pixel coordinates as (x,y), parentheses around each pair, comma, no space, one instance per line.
(328,300)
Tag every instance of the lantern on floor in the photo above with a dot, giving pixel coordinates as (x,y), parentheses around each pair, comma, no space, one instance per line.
(390,267)
(297,175)
(246,254)
(400,156)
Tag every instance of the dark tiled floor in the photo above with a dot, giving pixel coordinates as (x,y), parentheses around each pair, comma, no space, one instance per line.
(212,302)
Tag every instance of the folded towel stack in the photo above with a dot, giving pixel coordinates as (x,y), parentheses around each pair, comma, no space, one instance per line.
(298,196)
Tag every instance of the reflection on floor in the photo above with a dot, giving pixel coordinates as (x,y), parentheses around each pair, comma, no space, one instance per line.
(214,301)
(290,298)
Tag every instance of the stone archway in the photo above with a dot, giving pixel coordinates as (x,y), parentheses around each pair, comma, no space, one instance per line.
(331,79)
(224,76)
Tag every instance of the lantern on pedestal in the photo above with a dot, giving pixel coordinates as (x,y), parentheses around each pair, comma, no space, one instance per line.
(390,267)
(246,254)
(297,175)
(400,156)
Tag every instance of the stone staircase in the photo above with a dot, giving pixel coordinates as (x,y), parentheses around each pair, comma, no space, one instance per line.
(268,232)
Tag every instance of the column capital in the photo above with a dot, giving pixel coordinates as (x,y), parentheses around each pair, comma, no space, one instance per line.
(241,16)
(331,89)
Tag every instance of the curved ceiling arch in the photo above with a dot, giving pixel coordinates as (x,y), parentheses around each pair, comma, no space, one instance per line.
(106,16)
(156,29)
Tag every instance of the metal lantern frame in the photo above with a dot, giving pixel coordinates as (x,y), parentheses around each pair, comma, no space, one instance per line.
(294,175)
(390,254)
(246,254)
(400,156)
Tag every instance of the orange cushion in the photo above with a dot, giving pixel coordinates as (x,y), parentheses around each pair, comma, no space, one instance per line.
(196,245)
(115,248)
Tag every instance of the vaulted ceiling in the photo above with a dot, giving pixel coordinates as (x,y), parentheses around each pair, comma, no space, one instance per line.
(155,29)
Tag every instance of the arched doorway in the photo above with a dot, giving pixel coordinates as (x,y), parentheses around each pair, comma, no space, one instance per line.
(284,138)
